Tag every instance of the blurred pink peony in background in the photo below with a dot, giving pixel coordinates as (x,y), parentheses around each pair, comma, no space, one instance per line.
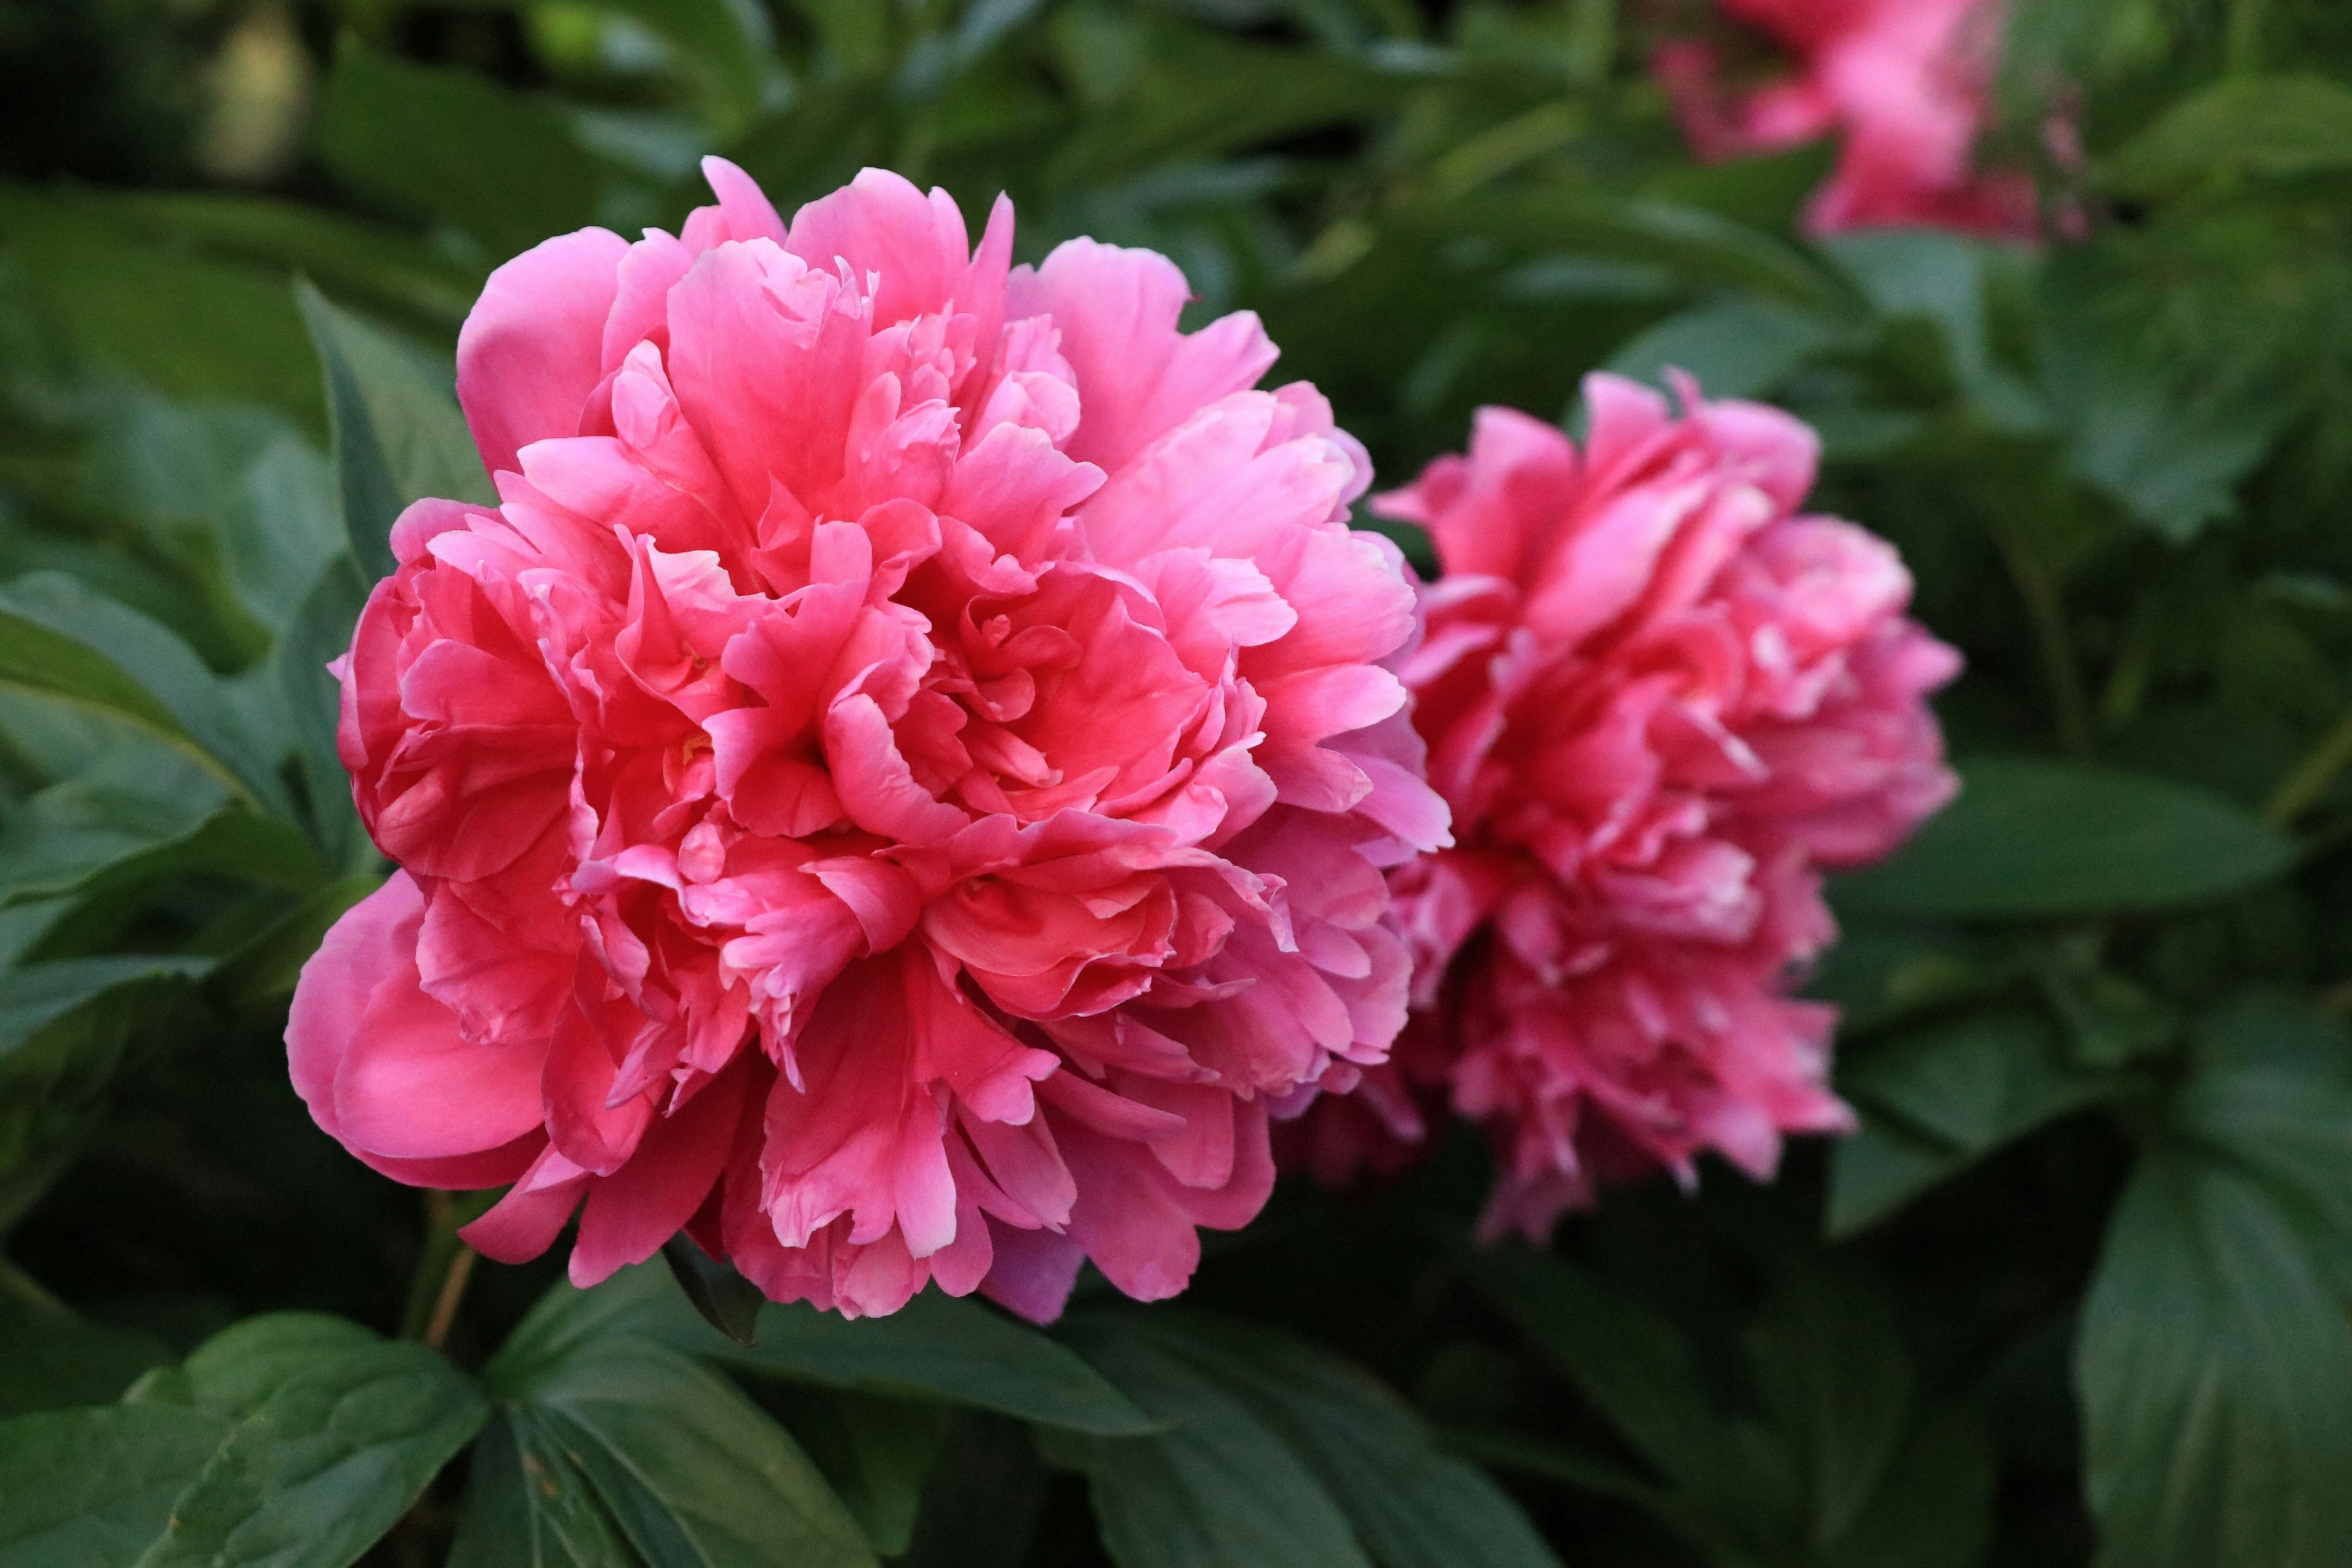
(899,787)
(1905,84)
(1660,701)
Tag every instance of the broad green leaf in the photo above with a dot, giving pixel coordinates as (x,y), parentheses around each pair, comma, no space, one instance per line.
(398,435)
(1927,274)
(1935,1099)
(260,972)
(93,1488)
(1201,93)
(1737,348)
(1217,1487)
(1412,1505)
(2030,840)
(503,167)
(336,1432)
(728,1301)
(319,633)
(2287,124)
(2171,443)
(2215,1374)
(106,860)
(190,325)
(1635,1369)
(1833,1375)
(875,1451)
(390,269)
(935,1347)
(529,1507)
(55,1360)
(693,1472)
(65,1030)
(1700,247)
(942,1348)
(724,47)
(236,495)
(1934,1507)
(62,643)
(2272,1091)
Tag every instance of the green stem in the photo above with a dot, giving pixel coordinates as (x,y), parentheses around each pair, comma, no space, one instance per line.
(2245,41)
(2311,778)
(446,1263)
(2046,609)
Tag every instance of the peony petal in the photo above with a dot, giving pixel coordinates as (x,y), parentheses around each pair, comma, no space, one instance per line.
(532,348)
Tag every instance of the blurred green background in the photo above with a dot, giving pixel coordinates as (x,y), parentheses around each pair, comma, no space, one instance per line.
(2085,1267)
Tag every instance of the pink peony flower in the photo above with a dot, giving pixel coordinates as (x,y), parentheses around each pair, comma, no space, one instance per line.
(1660,701)
(1907,82)
(897,789)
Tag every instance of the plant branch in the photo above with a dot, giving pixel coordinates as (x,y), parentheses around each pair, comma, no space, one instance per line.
(443,1267)
(2311,778)
(2046,609)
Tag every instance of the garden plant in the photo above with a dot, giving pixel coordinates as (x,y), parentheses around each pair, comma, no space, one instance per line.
(1189,783)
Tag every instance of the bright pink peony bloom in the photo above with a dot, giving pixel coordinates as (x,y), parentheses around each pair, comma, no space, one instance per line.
(1906,82)
(898,788)
(1660,701)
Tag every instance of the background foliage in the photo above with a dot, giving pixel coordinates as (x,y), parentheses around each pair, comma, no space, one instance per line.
(2074,1293)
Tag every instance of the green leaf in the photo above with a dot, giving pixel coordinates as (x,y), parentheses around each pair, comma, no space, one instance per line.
(1635,1369)
(1934,1507)
(1935,1100)
(190,325)
(1700,247)
(336,1432)
(529,1507)
(2215,1374)
(1735,348)
(103,861)
(724,46)
(1412,1505)
(504,168)
(396,271)
(936,1347)
(93,1488)
(2030,840)
(60,642)
(398,435)
(1201,93)
(2171,442)
(259,973)
(65,1032)
(1833,1375)
(694,1473)
(1217,1487)
(941,1347)
(1926,274)
(728,1301)
(57,1359)
(241,500)
(319,634)
(2279,125)
(2274,1091)
(875,1452)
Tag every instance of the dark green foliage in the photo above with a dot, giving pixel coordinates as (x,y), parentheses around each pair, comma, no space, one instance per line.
(2074,1291)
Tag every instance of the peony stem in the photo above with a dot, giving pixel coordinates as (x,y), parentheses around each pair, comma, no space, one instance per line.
(2046,609)
(2245,41)
(2310,778)
(443,1269)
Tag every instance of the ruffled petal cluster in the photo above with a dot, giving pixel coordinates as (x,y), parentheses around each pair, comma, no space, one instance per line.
(899,788)
(1661,700)
(1904,84)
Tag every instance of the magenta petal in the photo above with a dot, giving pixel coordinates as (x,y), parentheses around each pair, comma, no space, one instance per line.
(531,346)
(631,1212)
